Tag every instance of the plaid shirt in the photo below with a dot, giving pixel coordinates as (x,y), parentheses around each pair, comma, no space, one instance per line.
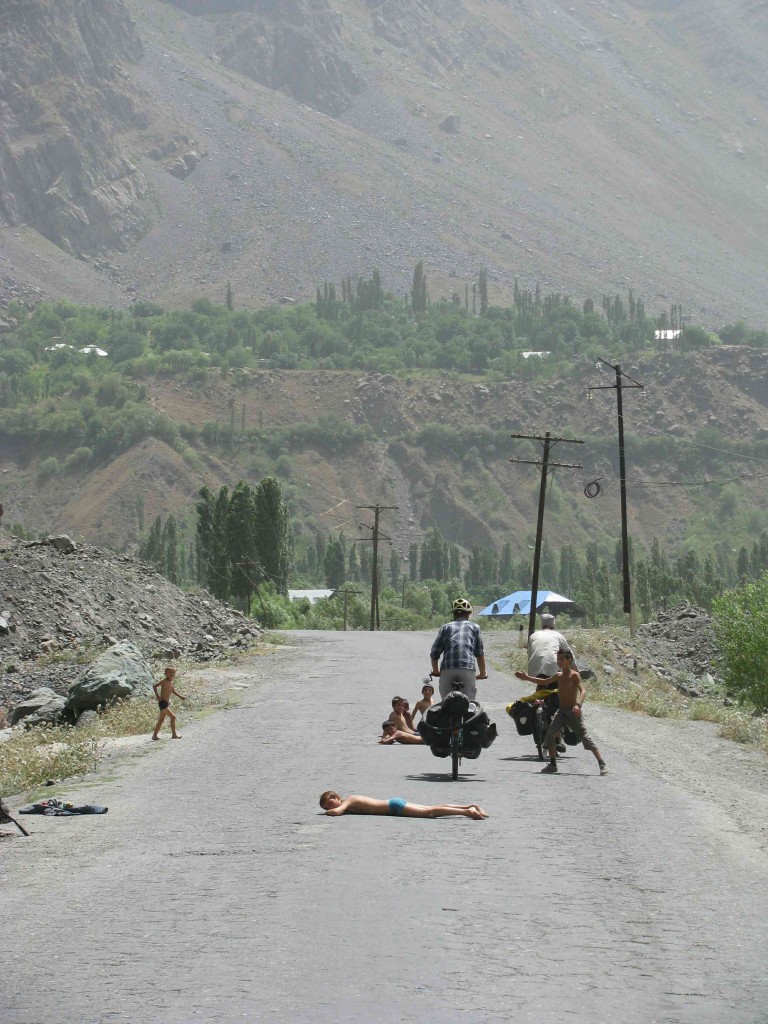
(459,642)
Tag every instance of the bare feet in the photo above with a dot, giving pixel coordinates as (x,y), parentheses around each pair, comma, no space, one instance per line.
(477,812)
(155,737)
(176,736)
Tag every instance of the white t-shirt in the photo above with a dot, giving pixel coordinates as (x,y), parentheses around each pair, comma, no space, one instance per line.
(543,645)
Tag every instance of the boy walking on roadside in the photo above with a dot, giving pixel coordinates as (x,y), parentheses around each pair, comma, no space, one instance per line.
(571,692)
(166,691)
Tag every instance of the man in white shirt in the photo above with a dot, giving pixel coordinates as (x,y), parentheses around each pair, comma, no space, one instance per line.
(543,645)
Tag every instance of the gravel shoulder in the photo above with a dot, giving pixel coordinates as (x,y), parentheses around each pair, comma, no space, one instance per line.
(727,779)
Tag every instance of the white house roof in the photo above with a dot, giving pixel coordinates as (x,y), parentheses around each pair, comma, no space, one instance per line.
(313,596)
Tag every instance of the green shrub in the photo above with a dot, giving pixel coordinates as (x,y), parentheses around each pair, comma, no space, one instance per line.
(48,468)
(740,622)
(79,459)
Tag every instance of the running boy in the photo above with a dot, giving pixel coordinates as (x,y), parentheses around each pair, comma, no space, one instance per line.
(165,686)
(571,692)
(335,806)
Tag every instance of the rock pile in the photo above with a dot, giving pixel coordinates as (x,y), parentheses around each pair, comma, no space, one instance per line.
(680,646)
(61,604)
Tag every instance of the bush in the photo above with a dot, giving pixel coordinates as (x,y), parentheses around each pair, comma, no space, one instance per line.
(740,622)
(48,468)
(79,459)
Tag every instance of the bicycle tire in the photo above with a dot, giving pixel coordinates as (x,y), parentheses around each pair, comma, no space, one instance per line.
(540,726)
(455,753)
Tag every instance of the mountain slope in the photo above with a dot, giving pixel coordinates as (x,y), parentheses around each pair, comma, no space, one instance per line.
(595,147)
(438,446)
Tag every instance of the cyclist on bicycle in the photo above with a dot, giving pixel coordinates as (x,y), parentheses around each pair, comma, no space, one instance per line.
(460,643)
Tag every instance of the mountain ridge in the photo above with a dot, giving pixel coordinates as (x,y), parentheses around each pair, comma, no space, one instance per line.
(596,147)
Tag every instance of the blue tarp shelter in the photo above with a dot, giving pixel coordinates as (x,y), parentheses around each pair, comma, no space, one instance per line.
(519,603)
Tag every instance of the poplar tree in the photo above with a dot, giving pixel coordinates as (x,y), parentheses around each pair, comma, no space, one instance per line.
(273,538)
(170,550)
(419,289)
(241,542)
(482,285)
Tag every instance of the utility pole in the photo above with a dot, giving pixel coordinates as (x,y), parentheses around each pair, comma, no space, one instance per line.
(346,593)
(548,442)
(619,386)
(377,510)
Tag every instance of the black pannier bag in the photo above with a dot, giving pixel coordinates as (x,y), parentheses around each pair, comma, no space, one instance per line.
(522,714)
(478,732)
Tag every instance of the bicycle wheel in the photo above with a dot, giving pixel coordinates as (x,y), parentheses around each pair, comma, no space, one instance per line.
(540,726)
(455,752)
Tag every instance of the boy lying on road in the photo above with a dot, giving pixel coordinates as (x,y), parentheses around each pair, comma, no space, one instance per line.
(394,735)
(335,806)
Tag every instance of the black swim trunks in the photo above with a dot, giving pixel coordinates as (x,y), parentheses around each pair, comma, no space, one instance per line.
(163,704)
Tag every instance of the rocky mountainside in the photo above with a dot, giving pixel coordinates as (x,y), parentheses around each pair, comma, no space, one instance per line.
(277,145)
(58,600)
(66,102)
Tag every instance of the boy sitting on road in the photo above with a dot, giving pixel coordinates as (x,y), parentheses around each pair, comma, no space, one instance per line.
(400,716)
(571,693)
(335,806)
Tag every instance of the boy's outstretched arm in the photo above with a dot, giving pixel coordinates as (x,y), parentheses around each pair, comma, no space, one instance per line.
(543,683)
(179,695)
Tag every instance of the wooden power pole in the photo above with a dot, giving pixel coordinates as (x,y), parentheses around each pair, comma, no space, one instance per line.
(377,510)
(618,386)
(545,465)
(346,595)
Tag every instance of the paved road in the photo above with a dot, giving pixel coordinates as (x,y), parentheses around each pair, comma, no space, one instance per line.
(215,891)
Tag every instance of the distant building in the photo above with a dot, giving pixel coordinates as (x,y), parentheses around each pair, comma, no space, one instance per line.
(313,596)
(667,335)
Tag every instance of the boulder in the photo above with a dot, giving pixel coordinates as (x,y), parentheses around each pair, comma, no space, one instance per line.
(39,703)
(62,543)
(120,672)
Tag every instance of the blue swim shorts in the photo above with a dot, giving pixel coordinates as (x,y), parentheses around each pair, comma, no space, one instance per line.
(396,805)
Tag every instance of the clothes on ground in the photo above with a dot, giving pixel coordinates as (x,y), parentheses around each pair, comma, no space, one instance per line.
(59,809)
(543,645)
(459,642)
(567,720)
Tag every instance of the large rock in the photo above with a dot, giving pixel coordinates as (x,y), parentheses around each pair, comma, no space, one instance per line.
(120,672)
(43,705)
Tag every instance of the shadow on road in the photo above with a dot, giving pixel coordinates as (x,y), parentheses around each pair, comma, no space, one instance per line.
(444,777)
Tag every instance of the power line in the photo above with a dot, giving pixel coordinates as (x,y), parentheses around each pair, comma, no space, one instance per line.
(708,447)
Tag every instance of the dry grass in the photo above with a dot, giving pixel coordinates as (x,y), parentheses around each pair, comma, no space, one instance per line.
(643,691)
(34,756)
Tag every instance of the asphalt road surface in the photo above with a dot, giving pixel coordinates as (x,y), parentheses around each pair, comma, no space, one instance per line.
(214,890)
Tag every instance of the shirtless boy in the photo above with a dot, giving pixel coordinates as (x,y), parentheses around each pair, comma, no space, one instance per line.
(166,691)
(334,805)
(422,706)
(391,734)
(400,716)
(571,692)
